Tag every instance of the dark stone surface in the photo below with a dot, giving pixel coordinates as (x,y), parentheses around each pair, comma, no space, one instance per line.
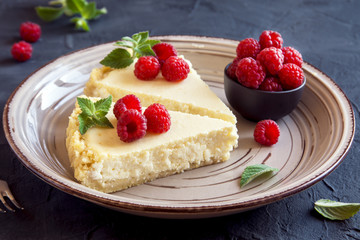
(327,32)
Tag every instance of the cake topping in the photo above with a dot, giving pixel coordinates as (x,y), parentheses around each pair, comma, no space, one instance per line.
(163,51)
(147,68)
(158,118)
(175,69)
(128,102)
(131,126)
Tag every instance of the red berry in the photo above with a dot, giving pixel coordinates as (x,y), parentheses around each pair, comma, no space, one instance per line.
(291,55)
(270,39)
(126,103)
(266,132)
(248,47)
(131,126)
(163,51)
(147,68)
(250,73)
(21,51)
(175,69)
(271,84)
(272,59)
(30,31)
(231,70)
(291,76)
(158,118)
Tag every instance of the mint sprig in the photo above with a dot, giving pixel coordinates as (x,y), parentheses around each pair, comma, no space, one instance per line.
(130,48)
(336,210)
(254,171)
(93,113)
(81,12)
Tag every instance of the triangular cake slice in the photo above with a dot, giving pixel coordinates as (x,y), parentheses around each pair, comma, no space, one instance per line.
(103,162)
(191,95)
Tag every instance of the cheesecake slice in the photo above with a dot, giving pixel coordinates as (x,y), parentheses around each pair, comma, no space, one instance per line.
(191,95)
(103,162)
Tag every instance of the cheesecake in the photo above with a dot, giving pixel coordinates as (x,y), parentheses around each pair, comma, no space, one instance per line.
(192,95)
(103,162)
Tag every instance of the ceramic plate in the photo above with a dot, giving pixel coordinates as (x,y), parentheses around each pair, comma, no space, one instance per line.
(314,139)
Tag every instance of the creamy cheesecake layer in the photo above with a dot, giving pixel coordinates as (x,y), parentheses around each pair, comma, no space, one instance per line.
(191,95)
(103,162)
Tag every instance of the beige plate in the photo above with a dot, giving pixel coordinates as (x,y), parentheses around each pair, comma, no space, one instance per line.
(314,138)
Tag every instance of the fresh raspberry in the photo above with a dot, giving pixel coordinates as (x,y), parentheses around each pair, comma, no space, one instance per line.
(175,69)
(272,59)
(163,51)
(21,51)
(147,68)
(126,103)
(248,47)
(271,84)
(291,55)
(250,73)
(158,118)
(266,132)
(131,126)
(30,31)
(291,76)
(270,39)
(231,70)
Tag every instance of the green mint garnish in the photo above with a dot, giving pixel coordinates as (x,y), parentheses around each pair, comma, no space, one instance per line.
(139,44)
(254,171)
(336,210)
(93,114)
(83,10)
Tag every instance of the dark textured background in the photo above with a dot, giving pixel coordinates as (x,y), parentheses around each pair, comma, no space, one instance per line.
(326,32)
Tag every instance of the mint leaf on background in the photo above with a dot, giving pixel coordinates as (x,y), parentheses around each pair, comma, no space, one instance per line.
(336,210)
(254,171)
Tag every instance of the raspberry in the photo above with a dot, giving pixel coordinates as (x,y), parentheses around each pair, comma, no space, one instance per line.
(158,118)
(30,32)
(272,59)
(266,132)
(248,47)
(147,68)
(291,55)
(175,69)
(291,76)
(131,126)
(163,51)
(270,39)
(231,70)
(126,103)
(21,51)
(250,73)
(271,84)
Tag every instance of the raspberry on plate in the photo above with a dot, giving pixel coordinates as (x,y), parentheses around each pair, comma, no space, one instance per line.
(248,47)
(30,31)
(175,69)
(291,55)
(131,126)
(125,103)
(147,68)
(250,73)
(271,84)
(21,51)
(163,51)
(158,118)
(266,132)
(270,39)
(272,59)
(291,76)
(231,70)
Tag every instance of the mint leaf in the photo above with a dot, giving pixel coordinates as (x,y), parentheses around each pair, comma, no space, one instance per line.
(152,42)
(93,114)
(145,50)
(88,12)
(80,23)
(254,171)
(117,58)
(76,6)
(140,37)
(336,210)
(99,12)
(49,14)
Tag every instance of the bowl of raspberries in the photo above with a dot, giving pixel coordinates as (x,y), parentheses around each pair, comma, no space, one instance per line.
(265,80)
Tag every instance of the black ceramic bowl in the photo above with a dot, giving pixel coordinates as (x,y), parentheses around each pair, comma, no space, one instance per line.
(257,105)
